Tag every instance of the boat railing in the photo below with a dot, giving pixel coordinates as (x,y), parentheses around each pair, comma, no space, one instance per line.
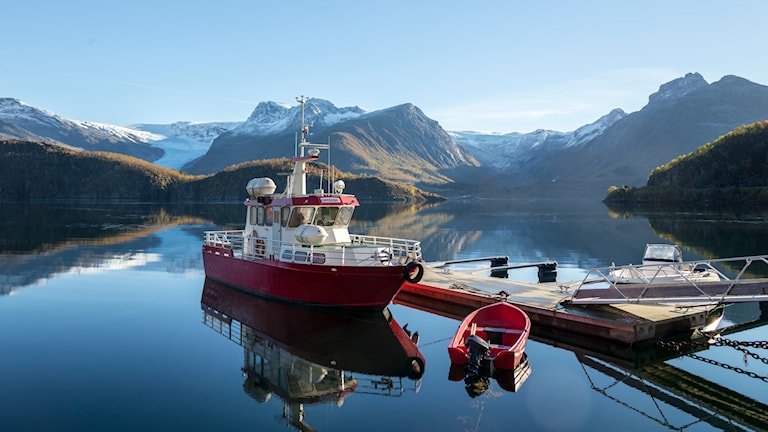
(391,386)
(227,239)
(654,272)
(687,274)
(401,249)
(390,251)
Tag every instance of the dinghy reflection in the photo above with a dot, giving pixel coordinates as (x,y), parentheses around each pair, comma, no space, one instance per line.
(478,382)
(313,356)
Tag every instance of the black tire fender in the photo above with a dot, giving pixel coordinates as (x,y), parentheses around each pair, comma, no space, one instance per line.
(416,368)
(413,272)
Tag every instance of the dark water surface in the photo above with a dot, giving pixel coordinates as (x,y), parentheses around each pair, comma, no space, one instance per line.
(107,323)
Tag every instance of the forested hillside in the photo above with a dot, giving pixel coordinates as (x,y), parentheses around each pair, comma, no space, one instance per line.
(39,171)
(730,170)
(738,159)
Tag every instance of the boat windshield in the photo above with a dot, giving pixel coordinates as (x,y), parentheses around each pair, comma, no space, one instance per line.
(326,216)
(666,253)
(301,215)
(345,215)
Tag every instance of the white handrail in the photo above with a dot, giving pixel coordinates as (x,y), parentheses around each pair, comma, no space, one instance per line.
(630,292)
(400,251)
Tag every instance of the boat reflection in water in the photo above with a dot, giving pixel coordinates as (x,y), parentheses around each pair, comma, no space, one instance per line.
(312,356)
(477,383)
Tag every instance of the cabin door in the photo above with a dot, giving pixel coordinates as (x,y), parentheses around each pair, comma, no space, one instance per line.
(277,229)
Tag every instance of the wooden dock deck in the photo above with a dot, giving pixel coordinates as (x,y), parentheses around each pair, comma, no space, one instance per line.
(455,293)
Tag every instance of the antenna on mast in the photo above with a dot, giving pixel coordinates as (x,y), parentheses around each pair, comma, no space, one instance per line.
(304,126)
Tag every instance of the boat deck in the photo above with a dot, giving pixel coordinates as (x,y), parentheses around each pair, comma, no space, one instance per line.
(455,293)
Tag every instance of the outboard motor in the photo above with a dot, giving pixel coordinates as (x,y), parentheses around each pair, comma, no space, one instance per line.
(478,348)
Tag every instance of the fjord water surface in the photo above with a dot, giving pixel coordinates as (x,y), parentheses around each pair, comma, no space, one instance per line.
(104,326)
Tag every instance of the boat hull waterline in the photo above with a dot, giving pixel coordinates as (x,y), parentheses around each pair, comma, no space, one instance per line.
(343,286)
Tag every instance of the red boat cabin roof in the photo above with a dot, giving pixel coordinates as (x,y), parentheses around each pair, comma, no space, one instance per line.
(313,200)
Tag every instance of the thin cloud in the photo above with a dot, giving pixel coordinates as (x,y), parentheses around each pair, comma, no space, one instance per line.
(561,106)
(184,93)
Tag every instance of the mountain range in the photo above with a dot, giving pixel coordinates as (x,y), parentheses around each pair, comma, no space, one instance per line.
(398,143)
(167,145)
(683,115)
(401,143)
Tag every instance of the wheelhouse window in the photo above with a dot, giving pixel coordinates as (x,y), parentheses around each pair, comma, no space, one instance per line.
(301,215)
(268,218)
(260,215)
(326,216)
(285,213)
(256,215)
(345,215)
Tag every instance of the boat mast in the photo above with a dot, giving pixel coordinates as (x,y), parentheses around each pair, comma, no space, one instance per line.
(304,127)
(298,180)
(297,183)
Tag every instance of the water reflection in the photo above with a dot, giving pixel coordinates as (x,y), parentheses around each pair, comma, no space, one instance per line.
(477,384)
(662,381)
(653,386)
(84,240)
(579,235)
(310,356)
(40,228)
(716,238)
(712,234)
(79,240)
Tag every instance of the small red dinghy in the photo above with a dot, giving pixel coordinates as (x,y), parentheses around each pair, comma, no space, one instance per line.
(493,335)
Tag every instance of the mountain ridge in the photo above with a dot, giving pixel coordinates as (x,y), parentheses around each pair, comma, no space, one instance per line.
(677,120)
(403,144)
(399,143)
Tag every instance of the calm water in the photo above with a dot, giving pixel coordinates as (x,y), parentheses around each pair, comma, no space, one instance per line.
(107,323)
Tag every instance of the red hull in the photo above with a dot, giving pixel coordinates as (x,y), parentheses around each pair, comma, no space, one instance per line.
(321,285)
(506,327)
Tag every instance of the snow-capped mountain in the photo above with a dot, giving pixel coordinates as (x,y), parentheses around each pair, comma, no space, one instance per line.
(272,117)
(510,150)
(170,146)
(398,143)
(19,113)
(685,114)
(678,88)
(401,143)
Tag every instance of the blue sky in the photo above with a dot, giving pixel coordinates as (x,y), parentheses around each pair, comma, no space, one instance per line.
(499,66)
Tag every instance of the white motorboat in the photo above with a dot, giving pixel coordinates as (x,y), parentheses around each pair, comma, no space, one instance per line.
(663,263)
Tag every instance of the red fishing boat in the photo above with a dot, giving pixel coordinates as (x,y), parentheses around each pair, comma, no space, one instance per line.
(493,336)
(296,245)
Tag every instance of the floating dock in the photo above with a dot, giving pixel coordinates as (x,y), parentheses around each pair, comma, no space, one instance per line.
(454,293)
